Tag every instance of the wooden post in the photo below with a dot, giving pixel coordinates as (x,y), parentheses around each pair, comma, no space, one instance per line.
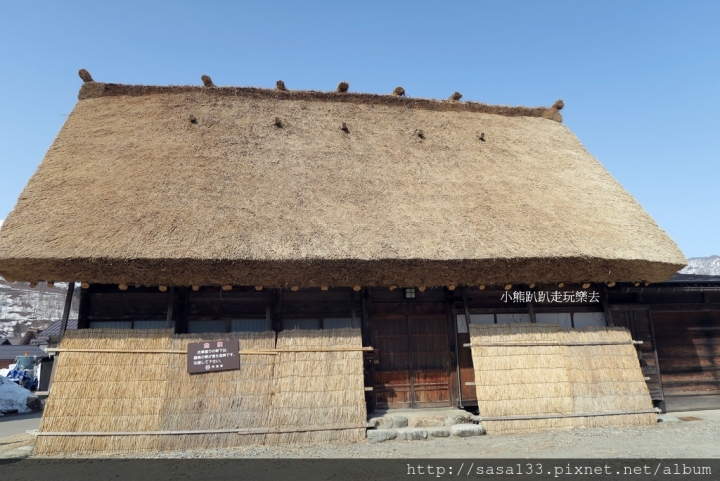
(531,311)
(181,314)
(604,299)
(657,361)
(455,387)
(277,310)
(268,309)
(84,307)
(366,328)
(368,364)
(66,310)
(170,302)
(353,322)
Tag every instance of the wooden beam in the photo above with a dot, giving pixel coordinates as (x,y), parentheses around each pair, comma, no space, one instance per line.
(549,343)
(536,308)
(66,309)
(569,415)
(242,431)
(241,351)
(679,307)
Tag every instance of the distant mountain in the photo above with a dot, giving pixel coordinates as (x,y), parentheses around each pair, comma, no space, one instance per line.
(707,266)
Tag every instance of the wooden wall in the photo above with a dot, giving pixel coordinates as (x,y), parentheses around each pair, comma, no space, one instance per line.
(420,358)
(688,347)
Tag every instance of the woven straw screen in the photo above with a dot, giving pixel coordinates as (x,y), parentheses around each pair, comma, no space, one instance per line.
(556,385)
(147,393)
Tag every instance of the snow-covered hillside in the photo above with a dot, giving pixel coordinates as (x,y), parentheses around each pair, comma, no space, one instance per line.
(23,308)
(708,266)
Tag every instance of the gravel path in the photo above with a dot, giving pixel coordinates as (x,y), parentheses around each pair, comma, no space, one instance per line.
(667,439)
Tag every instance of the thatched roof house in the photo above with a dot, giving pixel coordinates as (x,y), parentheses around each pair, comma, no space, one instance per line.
(245,186)
(310,209)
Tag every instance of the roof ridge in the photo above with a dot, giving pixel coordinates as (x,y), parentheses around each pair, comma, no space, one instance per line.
(92,89)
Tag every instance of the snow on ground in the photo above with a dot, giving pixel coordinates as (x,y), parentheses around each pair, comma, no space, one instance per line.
(13,397)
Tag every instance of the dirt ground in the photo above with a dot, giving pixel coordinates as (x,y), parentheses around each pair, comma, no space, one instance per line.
(671,438)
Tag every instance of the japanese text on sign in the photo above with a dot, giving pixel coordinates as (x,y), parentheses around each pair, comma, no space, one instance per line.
(213,356)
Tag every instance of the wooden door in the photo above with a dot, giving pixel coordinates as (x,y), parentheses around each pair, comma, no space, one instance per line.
(413,354)
(688,345)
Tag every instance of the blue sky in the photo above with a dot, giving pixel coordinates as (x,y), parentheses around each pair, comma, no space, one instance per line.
(640,80)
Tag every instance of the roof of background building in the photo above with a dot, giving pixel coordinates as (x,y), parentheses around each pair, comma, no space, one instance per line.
(54,329)
(11,352)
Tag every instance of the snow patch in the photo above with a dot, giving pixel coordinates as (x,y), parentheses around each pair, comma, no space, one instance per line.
(13,397)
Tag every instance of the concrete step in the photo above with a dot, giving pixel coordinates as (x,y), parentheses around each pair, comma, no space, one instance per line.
(422,424)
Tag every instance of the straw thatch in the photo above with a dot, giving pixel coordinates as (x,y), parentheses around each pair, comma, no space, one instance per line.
(319,388)
(85,75)
(219,400)
(553,380)
(152,392)
(107,392)
(133,193)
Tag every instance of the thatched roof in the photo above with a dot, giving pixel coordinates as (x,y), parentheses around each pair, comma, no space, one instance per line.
(211,185)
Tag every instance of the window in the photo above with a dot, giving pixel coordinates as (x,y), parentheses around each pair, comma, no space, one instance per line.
(512,318)
(197,327)
(151,324)
(562,318)
(144,324)
(110,325)
(301,324)
(337,322)
(474,319)
(248,325)
(587,319)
